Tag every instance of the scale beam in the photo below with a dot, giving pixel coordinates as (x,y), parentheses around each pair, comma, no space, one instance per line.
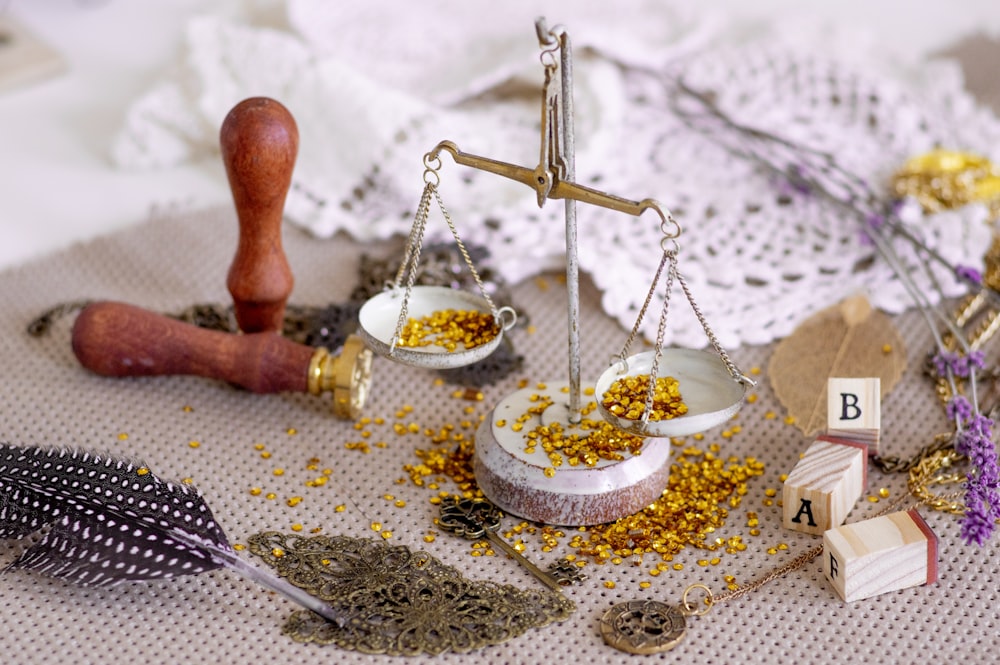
(547,185)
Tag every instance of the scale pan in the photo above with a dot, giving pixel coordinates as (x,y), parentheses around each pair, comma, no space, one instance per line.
(711,393)
(380,314)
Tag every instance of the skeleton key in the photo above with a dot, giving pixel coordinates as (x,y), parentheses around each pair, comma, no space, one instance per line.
(478,518)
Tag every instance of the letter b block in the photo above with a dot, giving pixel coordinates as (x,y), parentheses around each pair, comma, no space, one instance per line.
(824,485)
(878,555)
(854,410)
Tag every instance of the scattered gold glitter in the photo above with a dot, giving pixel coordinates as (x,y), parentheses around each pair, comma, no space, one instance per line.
(376,526)
(142,471)
(678,566)
(239,547)
(609,584)
(271,495)
(265,455)
(187,408)
(873,499)
(187,481)
(255,491)
(258,446)
(752,398)
(449,329)
(279,472)
(884,492)
(429,538)
(549,472)
(296,527)
(789,420)
(627,397)
(386,535)
(400,503)
(771,492)
(194,444)
(293,501)
(291,431)
(702,488)
(755,370)
(277,552)
(340,508)
(316,529)
(772,550)
(123,436)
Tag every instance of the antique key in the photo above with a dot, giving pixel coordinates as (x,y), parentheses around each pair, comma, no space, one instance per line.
(478,518)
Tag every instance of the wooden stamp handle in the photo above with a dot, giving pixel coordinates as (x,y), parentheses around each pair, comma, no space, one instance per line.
(259,141)
(115,339)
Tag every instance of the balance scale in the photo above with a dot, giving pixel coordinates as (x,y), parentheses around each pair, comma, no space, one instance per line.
(516,475)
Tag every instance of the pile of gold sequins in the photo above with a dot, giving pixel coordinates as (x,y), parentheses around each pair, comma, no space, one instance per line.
(450,328)
(399,602)
(627,398)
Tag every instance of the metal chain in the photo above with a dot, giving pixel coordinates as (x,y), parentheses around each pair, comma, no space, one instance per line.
(411,260)
(793,565)
(730,365)
(660,334)
(465,255)
(642,311)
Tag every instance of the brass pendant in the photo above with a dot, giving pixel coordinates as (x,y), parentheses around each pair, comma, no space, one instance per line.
(400,602)
(643,626)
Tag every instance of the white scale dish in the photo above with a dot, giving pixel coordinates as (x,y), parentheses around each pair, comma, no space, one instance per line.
(379,318)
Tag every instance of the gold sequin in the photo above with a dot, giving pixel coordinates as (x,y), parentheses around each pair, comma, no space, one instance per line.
(627,398)
(450,329)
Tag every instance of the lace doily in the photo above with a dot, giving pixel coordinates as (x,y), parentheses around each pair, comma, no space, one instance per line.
(372,95)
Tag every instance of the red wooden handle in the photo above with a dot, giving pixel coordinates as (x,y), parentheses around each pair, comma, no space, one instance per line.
(115,339)
(259,141)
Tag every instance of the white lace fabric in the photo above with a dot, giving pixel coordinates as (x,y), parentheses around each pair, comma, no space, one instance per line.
(373,91)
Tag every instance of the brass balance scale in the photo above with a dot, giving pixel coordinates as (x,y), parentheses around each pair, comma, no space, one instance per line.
(515,475)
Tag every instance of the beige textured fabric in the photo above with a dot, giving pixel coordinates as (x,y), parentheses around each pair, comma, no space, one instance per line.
(181,258)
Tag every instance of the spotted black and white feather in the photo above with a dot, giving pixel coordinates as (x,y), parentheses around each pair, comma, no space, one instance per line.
(108,520)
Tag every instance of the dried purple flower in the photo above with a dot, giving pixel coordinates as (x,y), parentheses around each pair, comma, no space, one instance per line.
(977,522)
(958,408)
(982,498)
(969,274)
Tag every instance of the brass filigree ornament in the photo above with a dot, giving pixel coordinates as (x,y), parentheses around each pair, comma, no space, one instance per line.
(400,602)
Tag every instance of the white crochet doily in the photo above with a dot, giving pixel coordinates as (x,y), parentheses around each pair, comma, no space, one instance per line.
(373,89)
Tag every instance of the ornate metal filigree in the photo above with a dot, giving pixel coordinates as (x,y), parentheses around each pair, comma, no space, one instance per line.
(400,602)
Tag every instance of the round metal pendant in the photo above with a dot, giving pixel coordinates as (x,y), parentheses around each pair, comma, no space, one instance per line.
(643,626)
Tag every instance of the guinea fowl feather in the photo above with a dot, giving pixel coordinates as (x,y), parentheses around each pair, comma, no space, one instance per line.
(108,520)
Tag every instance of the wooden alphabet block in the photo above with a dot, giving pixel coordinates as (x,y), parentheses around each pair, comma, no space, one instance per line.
(854,408)
(882,554)
(824,485)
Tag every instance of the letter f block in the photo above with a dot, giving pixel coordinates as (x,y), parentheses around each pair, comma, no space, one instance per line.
(854,410)
(881,554)
(824,485)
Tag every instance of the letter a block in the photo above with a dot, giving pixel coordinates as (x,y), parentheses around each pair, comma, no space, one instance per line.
(882,554)
(824,485)
(854,409)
